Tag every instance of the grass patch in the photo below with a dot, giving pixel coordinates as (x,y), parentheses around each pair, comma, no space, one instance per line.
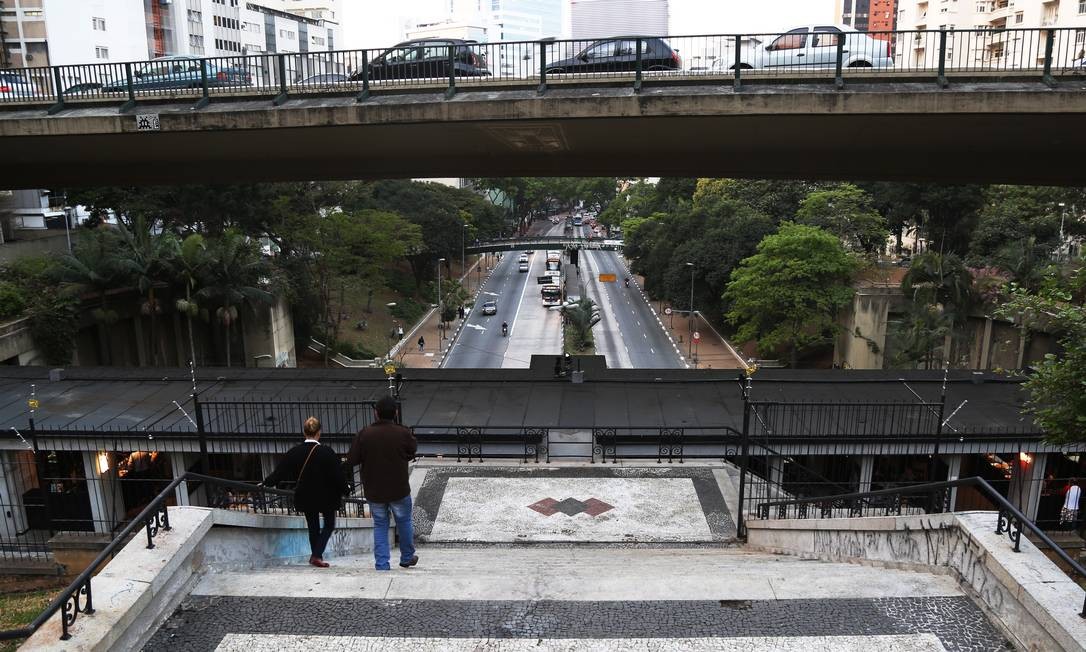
(18,608)
(570,342)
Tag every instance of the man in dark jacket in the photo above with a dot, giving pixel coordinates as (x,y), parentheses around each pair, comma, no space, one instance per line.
(320,483)
(383,449)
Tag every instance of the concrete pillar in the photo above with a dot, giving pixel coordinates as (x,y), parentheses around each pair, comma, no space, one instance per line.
(141,343)
(16,468)
(1025,489)
(985,346)
(178,465)
(776,472)
(867,470)
(103,490)
(953,472)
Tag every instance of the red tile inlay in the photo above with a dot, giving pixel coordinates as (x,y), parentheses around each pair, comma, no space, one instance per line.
(545,506)
(595,507)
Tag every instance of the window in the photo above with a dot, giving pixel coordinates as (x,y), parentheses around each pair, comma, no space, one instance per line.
(196,41)
(99,24)
(287,34)
(1082,6)
(982,7)
(32,14)
(437,50)
(602,51)
(318,40)
(399,55)
(101,52)
(195,16)
(1080,39)
(826,37)
(1018,18)
(794,40)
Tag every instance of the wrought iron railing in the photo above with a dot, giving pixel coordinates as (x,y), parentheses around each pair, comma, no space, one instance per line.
(833,57)
(932,497)
(77,597)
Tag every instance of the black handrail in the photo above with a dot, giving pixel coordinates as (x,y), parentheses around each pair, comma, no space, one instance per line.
(76,598)
(1011,520)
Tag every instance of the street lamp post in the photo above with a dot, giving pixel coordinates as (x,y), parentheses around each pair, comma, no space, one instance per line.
(391,337)
(690,347)
(440,314)
(463,265)
(1062,241)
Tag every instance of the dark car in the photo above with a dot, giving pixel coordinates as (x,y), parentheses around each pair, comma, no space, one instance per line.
(183,71)
(83,88)
(427,58)
(620,55)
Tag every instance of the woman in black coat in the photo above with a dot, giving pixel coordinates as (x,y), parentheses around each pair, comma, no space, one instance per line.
(320,484)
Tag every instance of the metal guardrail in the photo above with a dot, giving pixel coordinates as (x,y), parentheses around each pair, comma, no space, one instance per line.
(935,497)
(77,598)
(826,56)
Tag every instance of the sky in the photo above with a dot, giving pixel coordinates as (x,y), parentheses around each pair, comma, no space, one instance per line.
(373,24)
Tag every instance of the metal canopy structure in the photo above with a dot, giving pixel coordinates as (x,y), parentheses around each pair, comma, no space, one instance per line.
(142,401)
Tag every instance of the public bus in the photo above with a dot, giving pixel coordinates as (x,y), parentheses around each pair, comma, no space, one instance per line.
(552,295)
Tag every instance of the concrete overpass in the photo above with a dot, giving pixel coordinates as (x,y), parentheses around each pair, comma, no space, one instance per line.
(1011,130)
(543,243)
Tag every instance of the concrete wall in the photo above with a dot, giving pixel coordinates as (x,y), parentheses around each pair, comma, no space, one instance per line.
(15,342)
(1026,595)
(271,334)
(862,344)
(141,587)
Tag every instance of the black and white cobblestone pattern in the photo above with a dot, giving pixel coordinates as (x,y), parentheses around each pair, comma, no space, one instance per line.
(201,622)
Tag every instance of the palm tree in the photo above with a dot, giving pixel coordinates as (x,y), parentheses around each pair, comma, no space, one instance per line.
(95,267)
(232,280)
(581,316)
(942,293)
(148,258)
(190,263)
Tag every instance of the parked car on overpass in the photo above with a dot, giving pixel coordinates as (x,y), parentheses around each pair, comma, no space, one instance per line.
(427,58)
(182,71)
(619,55)
(814,46)
(15,86)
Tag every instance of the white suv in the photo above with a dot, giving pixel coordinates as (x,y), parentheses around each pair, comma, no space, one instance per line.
(814,46)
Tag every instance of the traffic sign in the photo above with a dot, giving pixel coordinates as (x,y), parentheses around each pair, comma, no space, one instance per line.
(697,337)
(33,404)
(608,278)
(667,311)
(390,369)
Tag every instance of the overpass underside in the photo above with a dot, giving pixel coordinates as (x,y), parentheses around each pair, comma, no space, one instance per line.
(1009,132)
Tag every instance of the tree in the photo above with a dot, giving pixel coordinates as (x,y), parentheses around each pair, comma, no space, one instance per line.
(580,317)
(941,294)
(779,200)
(148,260)
(846,212)
(234,280)
(946,215)
(95,267)
(190,262)
(1057,386)
(789,292)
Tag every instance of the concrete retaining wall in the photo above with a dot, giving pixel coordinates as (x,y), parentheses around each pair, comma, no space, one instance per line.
(1026,595)
(140,588)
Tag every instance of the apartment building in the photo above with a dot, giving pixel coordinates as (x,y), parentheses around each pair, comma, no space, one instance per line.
(869,16)
(591,19)
(1004,34)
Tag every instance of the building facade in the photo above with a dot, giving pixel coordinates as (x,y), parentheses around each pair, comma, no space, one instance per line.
(869,16)
(592,19)
(995,33)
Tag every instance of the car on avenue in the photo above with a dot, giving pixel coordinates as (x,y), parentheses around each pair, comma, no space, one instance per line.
(427,58)
(182,71)
(813,46)
(15,86)
(490,308)
(326,79)
(620,55)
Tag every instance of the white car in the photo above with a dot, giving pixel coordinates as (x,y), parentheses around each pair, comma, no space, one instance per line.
(16,86)
(490,308)
(814,46)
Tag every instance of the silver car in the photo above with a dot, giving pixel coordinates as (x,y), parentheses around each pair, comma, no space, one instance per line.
(13,86)
(814,46)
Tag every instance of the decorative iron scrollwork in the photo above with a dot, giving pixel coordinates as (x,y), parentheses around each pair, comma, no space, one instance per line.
(535,442)
(604,444)
(802,510)
(160,520)
(670,445)
(1011,525)
(469,443)
(77,602)
(763,511)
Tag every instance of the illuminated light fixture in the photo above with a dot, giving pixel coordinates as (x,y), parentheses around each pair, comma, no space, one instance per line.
(1025,458)
(103,462)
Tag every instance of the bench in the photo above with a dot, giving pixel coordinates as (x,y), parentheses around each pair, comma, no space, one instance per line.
(661,443)
(476,443)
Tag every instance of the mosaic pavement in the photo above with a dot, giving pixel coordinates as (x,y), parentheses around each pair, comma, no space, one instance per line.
(213,623)
(571,505)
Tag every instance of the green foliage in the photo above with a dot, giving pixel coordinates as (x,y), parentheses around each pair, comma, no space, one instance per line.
(941,294)
(945,215)
(579,325)
(1057,387)
(54,321)
(788,294)
(12,300)
(408,310)
(846,212)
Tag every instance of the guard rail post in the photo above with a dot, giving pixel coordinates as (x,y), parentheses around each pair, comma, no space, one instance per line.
(839,78)
(365,94)
(737,82)
(131,103)
(1050,41)
(59,106)
(637,68)
(282,96)
(941,79)
(205,97)
(542,68)
(451,90)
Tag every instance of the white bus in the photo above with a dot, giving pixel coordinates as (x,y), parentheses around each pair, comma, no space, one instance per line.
(552,295)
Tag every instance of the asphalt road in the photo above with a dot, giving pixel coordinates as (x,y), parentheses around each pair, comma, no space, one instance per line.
(532,328)
(628,334)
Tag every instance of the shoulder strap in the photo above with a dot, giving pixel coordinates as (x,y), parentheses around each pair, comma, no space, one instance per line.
(312,450)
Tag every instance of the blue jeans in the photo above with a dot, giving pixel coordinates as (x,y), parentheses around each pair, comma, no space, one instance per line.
(401,510)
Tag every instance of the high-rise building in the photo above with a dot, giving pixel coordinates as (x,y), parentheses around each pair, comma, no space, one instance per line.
(869,15)
(591,19)
(1003,34)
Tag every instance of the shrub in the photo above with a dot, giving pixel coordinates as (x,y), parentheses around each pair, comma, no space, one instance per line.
(408,310)
(12,300)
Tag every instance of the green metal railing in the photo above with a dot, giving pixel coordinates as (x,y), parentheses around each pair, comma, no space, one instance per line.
(1043,54)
